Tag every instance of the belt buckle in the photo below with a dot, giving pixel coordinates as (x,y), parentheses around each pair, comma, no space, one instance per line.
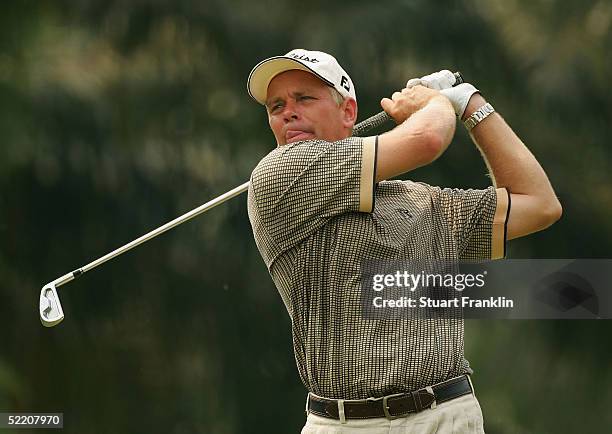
(386,407)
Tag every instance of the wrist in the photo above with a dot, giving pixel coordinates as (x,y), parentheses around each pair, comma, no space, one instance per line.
(475,102)
(442,102)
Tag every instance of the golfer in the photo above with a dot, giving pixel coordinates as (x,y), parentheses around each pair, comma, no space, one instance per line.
(321,203)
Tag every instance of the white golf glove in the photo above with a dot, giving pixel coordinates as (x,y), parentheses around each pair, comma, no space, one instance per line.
(438,80)
(443,81)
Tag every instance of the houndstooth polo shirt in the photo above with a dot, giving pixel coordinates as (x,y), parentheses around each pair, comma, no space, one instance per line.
(316,214)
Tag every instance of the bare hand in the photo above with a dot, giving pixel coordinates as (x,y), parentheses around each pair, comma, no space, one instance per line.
(403,104)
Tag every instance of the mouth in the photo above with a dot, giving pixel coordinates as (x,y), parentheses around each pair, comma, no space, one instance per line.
(297,135)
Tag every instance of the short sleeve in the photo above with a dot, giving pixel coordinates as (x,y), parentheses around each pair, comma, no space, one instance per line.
(298,187)
(477,220)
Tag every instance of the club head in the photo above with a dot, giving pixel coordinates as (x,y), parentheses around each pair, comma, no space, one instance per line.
(51,312)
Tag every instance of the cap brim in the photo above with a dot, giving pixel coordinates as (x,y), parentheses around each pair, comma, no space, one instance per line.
(263,73)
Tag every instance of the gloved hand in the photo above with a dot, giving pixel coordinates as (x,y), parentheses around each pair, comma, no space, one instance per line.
(443,81)
(438,80)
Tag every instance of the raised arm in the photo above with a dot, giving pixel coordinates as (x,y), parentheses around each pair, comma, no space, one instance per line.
(534,205)
(426,125)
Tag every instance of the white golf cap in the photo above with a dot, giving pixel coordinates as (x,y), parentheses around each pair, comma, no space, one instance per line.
(321,64)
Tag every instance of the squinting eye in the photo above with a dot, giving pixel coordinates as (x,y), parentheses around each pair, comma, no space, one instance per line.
(275,107)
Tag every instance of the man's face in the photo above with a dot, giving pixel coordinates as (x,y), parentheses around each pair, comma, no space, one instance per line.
(300,107)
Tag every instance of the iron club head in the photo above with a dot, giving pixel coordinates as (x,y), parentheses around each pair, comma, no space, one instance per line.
(51,312)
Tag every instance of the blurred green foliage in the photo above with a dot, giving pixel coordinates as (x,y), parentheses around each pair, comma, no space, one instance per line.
(119,116)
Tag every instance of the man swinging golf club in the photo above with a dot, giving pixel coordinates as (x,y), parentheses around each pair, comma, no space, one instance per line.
(321,203)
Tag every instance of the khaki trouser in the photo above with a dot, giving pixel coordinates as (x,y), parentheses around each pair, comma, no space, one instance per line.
(460,415)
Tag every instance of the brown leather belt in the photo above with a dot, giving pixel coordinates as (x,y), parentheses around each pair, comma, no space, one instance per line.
(390,406)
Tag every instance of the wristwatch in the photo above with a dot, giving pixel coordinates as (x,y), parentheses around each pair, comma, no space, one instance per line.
(478,116)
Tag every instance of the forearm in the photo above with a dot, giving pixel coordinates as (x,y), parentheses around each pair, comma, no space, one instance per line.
(512,165)
(417,141)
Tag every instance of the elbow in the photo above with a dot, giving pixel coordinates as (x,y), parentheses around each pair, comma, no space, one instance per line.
(551,212)
(529,215)
(556,211)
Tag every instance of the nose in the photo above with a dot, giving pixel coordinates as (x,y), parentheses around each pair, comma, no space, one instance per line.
(290,113)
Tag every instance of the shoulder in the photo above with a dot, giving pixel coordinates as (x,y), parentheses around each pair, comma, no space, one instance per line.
(295,156)
(311,147)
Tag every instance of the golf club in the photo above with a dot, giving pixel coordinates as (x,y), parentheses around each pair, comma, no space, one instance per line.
(50,308)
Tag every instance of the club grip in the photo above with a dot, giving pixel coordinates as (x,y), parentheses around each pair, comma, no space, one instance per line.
(383,117)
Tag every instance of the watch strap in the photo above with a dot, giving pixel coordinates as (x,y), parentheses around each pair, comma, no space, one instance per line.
(478,116)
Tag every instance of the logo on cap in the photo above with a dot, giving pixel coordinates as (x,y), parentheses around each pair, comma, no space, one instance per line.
(345,83)
(304,58)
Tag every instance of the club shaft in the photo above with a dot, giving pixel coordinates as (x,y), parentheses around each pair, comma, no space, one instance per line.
(155,232)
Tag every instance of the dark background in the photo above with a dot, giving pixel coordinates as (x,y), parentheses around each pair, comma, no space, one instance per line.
(117,116)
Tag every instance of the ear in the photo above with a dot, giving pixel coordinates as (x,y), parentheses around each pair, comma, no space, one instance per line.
(349,112)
